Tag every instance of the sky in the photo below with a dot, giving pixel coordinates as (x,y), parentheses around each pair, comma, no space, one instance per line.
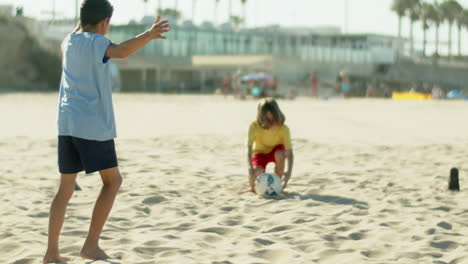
(364,16)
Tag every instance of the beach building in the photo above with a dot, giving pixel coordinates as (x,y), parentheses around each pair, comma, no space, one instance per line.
(6,10)
(195,58)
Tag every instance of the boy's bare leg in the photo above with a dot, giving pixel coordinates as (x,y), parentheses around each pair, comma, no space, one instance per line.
(112,180)
(280,157)
(56,217)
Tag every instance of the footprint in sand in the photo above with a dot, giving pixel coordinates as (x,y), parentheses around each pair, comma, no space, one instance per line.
(75,233)
(217,230)
(357,236)
(442,208)
(411,255)
(435,254)
(125,241)
(279,229)
(153,243)
(154,200)
(333,238)
(152,251)
(270,255)
(371,253)
(447,245)
(39,215)
(263,242)
(26,261)
(460,260)
(212,238)
(228,208)
(445,225)
(231,221)
(343,229)
(203,216)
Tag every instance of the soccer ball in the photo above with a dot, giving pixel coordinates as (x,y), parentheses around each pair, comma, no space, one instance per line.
(268,184)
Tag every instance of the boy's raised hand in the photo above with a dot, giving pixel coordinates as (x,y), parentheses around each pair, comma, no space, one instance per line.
(158,28)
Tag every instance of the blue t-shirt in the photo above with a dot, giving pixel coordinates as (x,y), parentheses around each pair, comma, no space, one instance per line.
(85,105)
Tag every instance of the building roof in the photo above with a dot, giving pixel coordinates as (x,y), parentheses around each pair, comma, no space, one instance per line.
(264,61)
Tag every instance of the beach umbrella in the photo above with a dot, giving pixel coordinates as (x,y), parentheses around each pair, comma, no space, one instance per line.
(253,77)
(454,94)
(258,77)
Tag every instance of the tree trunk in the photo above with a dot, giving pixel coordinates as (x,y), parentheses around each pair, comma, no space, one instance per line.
(230,10)
(77,12)
(244,15)
(399,38)
(194,4)
(145,7)
(412,38)
(459,39)
(216,13)
(450,41)
(424,38)
(437,39)
(399,26)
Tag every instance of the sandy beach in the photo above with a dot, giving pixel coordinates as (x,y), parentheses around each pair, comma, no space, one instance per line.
(369,183)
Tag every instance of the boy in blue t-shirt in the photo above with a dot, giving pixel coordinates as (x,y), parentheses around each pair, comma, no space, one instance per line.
(86,125)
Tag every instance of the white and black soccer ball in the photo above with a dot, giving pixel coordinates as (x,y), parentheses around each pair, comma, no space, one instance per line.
(268,184)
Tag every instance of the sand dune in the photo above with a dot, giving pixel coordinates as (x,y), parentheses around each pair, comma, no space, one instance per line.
(369,184)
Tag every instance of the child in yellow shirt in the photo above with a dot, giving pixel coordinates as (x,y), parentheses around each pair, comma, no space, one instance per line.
(268,141)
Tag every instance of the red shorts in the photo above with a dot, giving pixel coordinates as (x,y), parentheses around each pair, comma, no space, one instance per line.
(261,159)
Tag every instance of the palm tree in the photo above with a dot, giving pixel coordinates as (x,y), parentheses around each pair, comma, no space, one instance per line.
(216,11)
(244,13)
(465,18)
(451,10)
(236,21)
(399,7)
(145,3)
(437,18)
(462,20)
(194,4)
(170,12)
(413,7)
(230,8)
(427,12)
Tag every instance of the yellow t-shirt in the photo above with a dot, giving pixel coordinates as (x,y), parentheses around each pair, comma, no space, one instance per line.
(264,140)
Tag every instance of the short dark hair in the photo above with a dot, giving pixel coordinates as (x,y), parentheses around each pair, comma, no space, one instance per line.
(94,11)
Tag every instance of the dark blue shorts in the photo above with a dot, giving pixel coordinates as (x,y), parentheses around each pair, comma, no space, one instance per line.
(77,154)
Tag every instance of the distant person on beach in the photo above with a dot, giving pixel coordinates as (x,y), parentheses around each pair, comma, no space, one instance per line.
(268,141)
(86,126)
(345,83)
(236,84)
(226,84)
(314,82)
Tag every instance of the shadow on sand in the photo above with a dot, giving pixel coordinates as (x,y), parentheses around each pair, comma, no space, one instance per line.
(331,199)
(103,261)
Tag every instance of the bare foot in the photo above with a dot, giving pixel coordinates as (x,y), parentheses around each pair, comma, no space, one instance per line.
(94,254)
(54,259)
